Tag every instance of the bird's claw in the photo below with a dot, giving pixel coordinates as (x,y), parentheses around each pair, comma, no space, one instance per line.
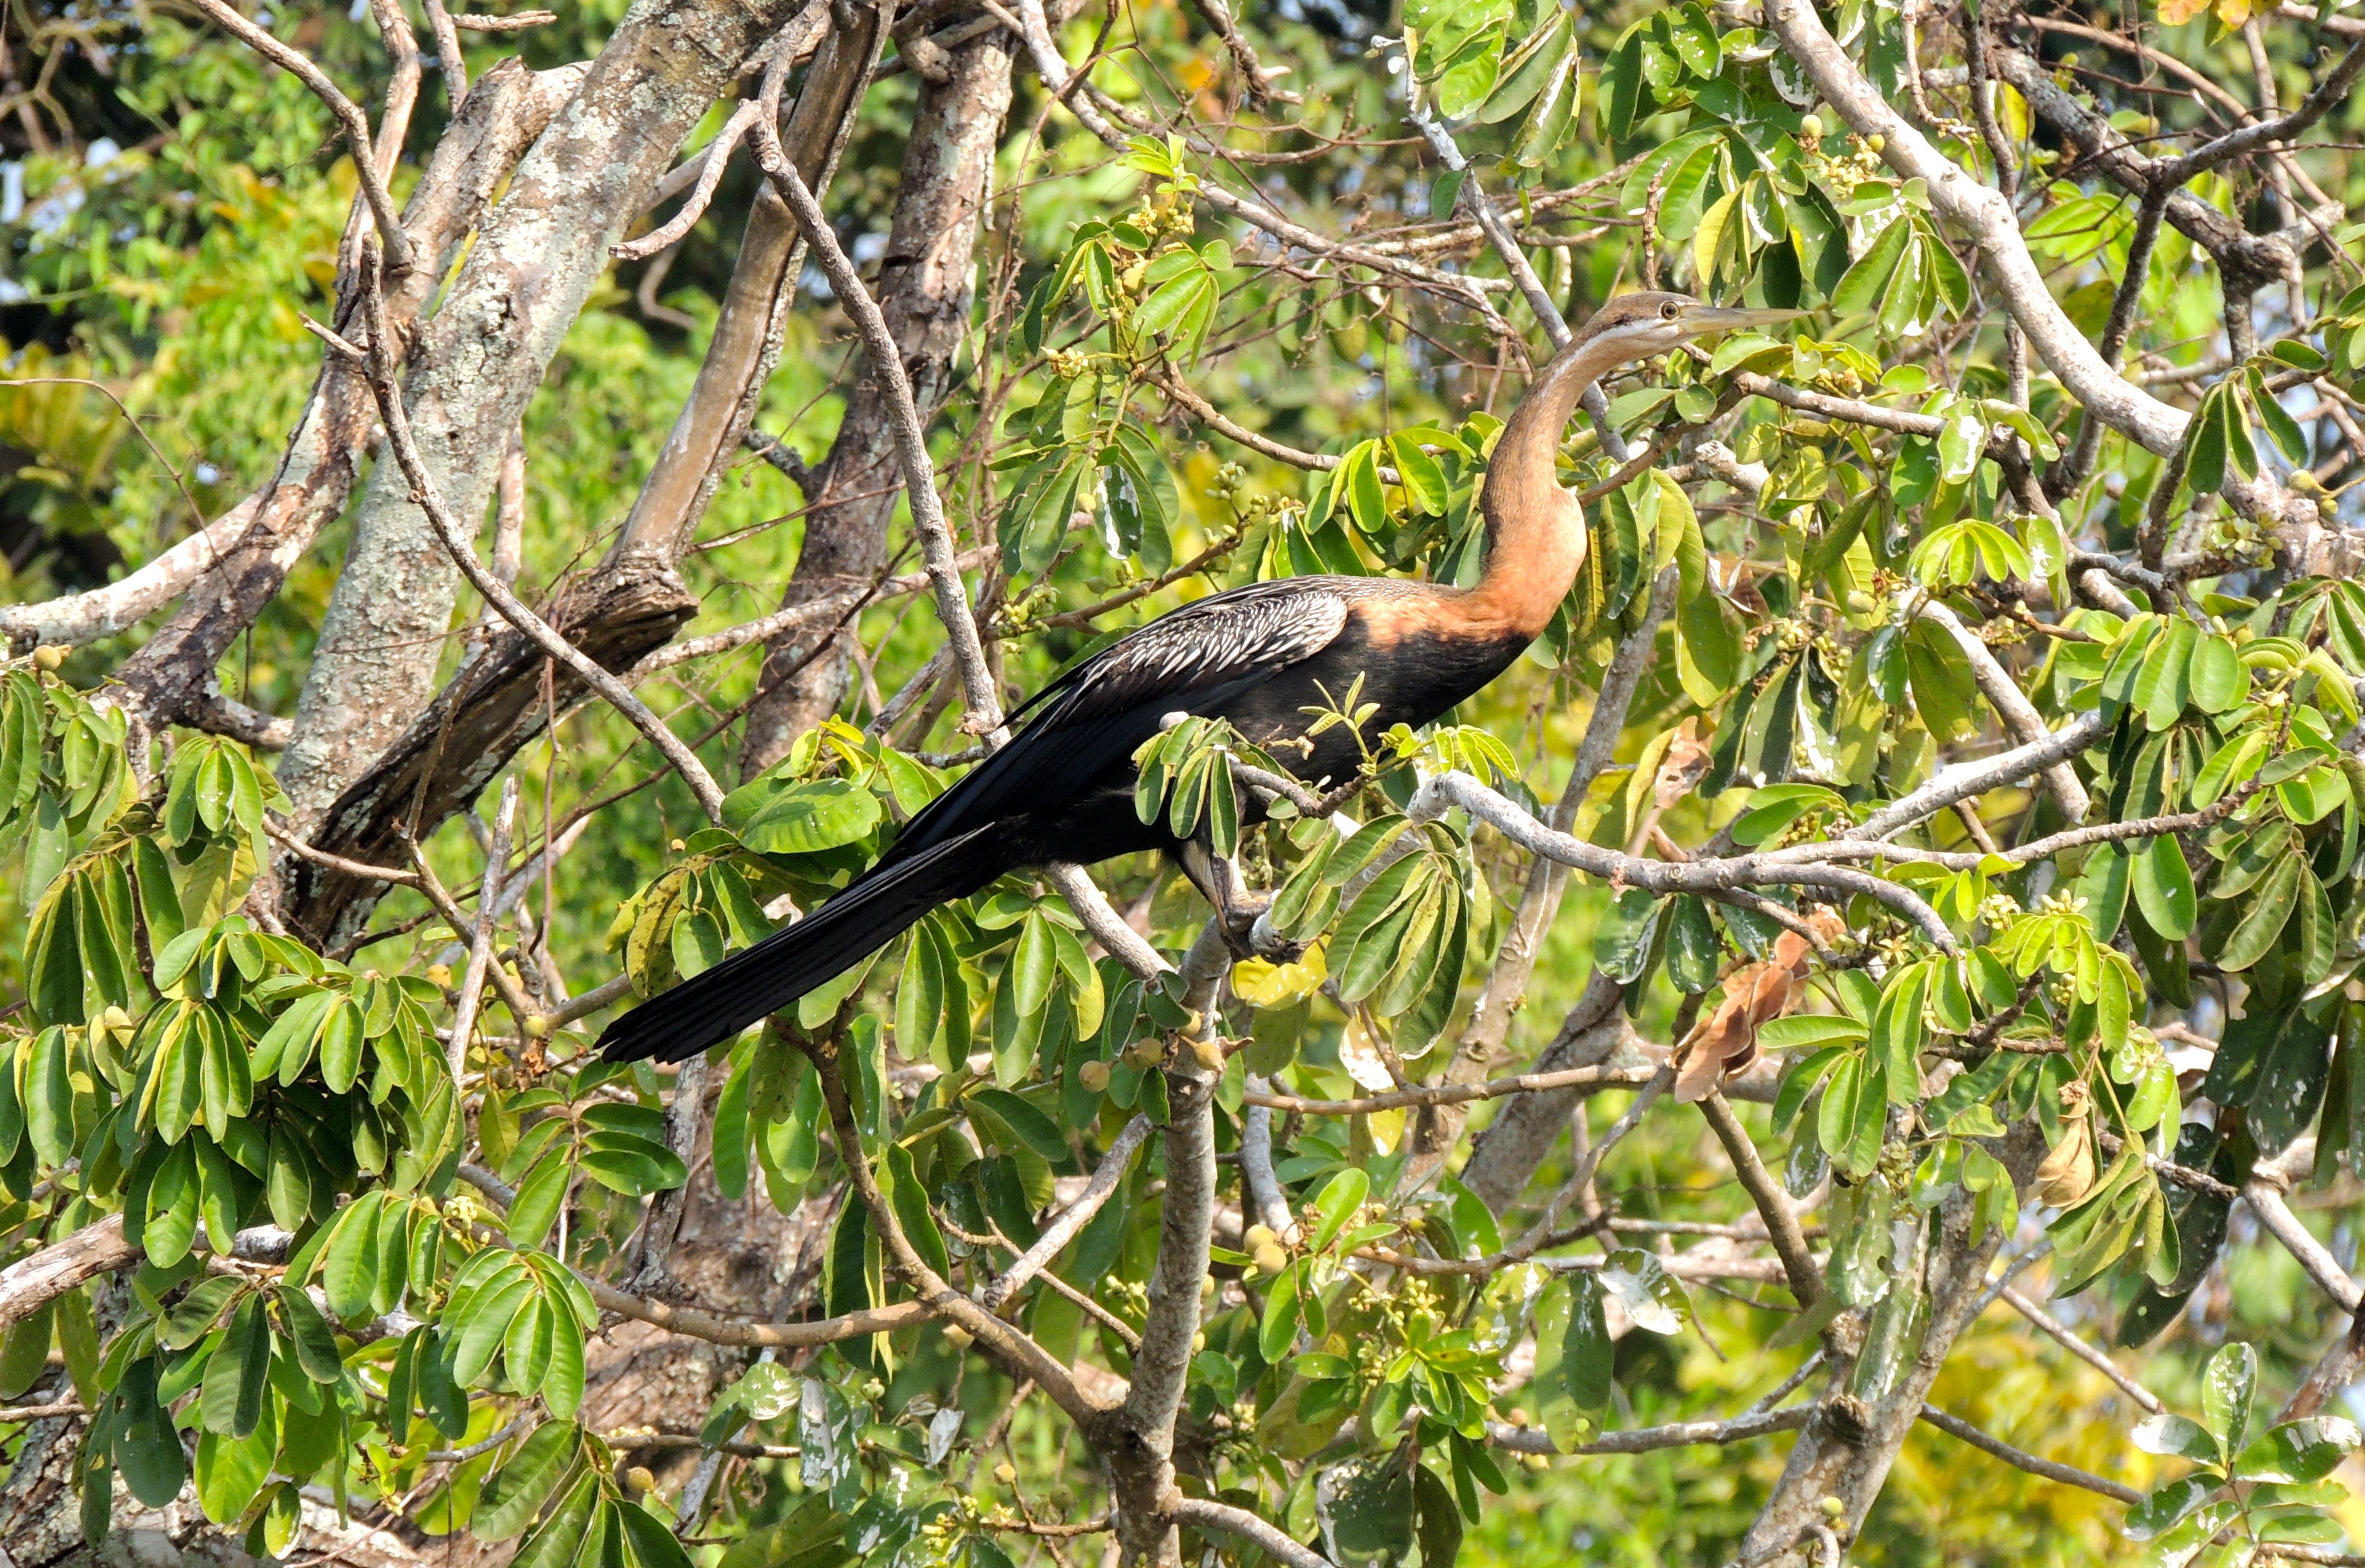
(1249,932)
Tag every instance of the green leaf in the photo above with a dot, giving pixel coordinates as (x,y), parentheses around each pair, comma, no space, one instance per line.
(485,1327)
(2219,679)
(1809,1030)
(2163,888)
(1863,285)
(803,817)
(1340,1199)
(2227,1387)
(2269,907)
(1031,1126)
(910,1200)
(2163,1508)
(2299,1451)
(238,1376)
(1587,1350)
(1855,1113)
(1623,938)
(2178,1437)
(25,1350)
(349,1270)
(1422,480)
(654,1546)
(314,1342)
(559,1542)
(1277,1330)
(515,1492)
(1370,1512)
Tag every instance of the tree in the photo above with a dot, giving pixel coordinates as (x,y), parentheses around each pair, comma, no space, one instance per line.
(1879,982)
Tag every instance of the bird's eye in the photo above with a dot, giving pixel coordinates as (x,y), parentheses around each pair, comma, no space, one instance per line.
(1670,310)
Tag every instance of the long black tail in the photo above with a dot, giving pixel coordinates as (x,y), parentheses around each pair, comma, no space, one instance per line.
(712,1006)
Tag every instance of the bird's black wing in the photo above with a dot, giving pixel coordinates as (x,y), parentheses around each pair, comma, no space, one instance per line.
(1191,660)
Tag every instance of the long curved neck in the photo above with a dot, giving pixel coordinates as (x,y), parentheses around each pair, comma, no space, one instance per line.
(1535,530)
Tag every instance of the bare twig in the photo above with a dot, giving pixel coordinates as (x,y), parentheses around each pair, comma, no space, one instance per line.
(983,704)
(710,175)
(2069,1340)
(2067,1474)
(1593,1078)
(350,117)
(480,950)
(1781,1224)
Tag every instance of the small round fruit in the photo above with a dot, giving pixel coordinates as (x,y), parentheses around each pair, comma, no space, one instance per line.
(1535,1461)
(1270,1259)
(680,844)
(1209,1054)
(1259,1235)
(536,1026)
(1876,144)
(1198,1343)
(1145,1055)
(958,1338)
(1005,1473)
(1810,128)
(1094,1077)
(440,976)
(49,657)
(640,1478)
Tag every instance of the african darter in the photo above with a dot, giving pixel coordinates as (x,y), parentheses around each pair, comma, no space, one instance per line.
(1260,656)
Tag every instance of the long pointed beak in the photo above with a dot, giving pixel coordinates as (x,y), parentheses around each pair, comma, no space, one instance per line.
(1701,319)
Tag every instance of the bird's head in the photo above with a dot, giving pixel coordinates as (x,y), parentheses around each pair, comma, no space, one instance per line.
(1645,323)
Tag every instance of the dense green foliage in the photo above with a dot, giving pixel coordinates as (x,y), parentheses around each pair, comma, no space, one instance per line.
(2078,1051)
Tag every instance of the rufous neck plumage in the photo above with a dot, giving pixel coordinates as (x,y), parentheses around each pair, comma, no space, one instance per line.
(1535,530)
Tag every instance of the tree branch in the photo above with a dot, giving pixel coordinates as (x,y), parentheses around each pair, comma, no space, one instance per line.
(430,500)
(2067,1474)
(1773,1206)
(1650,1439)
(1206,1514)
(480,950)
(1699,876)
(32,1283)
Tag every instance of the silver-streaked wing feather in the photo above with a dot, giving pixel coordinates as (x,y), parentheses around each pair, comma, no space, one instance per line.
(1223,638)
(1194,658)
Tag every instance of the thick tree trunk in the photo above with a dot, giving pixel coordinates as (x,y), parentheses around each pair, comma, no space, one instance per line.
(925,284)
(475,727)
(1510,1147)
(632,604)
(534,267)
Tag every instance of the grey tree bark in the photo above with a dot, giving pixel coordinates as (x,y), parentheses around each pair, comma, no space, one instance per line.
(925,285)
(479,359)
(633,603)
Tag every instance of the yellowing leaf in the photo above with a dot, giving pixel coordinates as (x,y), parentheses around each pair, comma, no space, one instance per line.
(1263,983)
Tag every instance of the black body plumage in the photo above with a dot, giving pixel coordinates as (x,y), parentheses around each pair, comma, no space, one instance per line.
(1265,657)
(1259,656)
